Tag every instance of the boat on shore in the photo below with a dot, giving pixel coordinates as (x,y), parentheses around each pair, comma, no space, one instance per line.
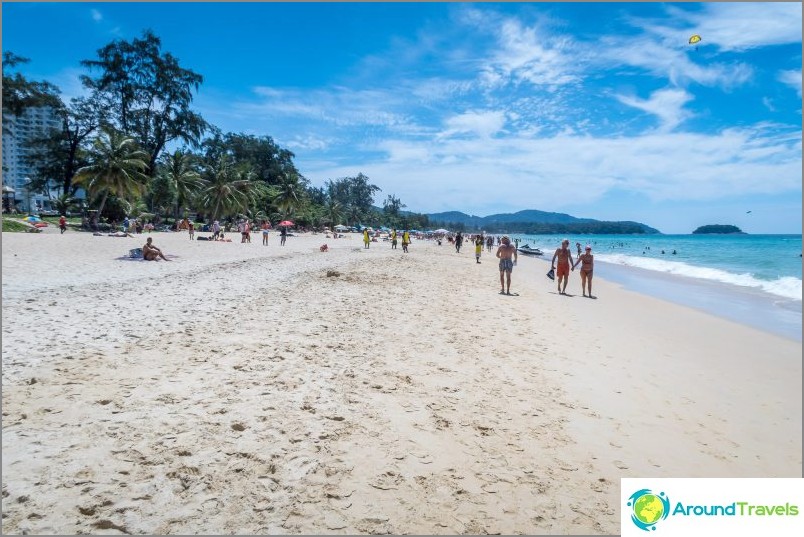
(527,250)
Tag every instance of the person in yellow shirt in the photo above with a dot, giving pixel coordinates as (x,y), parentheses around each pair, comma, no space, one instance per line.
(405,241)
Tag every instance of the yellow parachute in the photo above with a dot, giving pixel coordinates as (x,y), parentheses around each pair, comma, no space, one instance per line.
(695,39)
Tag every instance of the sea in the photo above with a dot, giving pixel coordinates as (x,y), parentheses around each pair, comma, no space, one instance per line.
(750,275)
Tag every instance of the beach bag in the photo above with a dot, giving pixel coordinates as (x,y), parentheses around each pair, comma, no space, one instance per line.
(552,274)
(136,253)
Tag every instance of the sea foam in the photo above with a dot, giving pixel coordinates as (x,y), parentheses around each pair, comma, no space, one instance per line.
(786,286)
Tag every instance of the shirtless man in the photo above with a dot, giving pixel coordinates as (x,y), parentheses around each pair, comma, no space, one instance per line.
(564,255)
(151,252)
(587,261)
(505,253)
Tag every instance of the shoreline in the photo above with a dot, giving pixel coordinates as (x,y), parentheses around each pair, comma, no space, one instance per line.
(744,305)
(250,389)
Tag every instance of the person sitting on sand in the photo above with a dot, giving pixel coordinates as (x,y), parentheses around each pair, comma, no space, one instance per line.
(587,261)
(324,248)
(151,252)
(505,253)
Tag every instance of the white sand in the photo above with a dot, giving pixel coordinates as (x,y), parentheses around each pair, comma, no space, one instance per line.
(239,389)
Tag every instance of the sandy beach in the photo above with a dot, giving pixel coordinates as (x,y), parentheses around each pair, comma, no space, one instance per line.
(254,389)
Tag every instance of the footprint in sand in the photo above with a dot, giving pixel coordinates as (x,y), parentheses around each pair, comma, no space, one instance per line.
(389,480)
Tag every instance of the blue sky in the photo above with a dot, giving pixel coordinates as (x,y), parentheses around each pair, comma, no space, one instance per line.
(600,110)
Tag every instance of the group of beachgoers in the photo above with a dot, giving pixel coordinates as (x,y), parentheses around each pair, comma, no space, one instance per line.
(560,266)
(393,236)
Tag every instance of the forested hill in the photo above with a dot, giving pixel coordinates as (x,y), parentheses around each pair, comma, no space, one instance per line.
(717,229)
(535,222)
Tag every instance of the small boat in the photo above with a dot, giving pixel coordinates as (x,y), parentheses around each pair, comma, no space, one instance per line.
(527,250)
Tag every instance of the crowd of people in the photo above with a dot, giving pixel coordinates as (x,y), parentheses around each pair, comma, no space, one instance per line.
(561,264)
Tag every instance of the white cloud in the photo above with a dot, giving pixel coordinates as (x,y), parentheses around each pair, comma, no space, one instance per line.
(741,26)
(96,15)
(677,64)
(339,107)
(484,124)
(667,105)
(792,78)
(530,54)
(513,172)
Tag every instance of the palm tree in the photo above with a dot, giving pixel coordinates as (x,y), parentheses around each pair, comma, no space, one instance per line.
(228,190)
(334,211)
(185,181)
(64,203)
(288,194)
(117,166)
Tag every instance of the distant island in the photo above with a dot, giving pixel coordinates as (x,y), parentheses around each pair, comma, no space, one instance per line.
(720,229)
(536,223)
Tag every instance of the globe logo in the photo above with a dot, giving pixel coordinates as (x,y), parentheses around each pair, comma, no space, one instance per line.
(648,508)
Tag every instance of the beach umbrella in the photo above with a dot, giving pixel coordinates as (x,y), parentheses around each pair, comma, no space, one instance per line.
(286,223)
(442,230)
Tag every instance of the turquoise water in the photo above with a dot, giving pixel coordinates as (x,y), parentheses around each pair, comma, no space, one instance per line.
(768,263)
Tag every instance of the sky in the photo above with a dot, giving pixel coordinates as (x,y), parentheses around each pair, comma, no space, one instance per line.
(599,110)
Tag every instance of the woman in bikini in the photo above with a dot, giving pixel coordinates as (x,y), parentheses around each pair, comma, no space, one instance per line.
(587,261)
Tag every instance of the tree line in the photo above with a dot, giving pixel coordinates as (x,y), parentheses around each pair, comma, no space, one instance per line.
(545,228)
(113,143)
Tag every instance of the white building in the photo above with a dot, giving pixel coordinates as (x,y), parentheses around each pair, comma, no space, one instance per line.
(17,130)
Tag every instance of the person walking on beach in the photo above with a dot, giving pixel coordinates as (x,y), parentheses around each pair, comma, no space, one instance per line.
(283,235)
(458,242)
(393,239)
(478,247)
(265,228)
(587,261)
(489,243)
(366,238)
(151,252)
(216,229)
(507,255)
(191,229)
(564,255)
(241,227)
(62,224)
(405,241)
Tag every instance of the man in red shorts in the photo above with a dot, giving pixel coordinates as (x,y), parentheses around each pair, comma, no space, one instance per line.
(564,255)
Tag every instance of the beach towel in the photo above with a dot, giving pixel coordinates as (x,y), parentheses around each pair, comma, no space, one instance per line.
(552,274)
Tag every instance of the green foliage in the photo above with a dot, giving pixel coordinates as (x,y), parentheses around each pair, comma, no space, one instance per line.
(116,167)
(12,226)
(65,203)
(20,93)
(717,229)
(229,189)
(148,93)
(549,228)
